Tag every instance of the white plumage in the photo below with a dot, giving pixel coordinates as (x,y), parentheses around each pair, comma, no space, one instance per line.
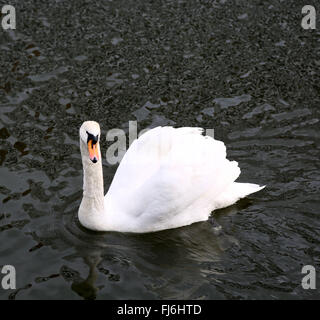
(167,179)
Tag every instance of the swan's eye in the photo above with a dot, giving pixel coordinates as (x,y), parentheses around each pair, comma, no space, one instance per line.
(92,138)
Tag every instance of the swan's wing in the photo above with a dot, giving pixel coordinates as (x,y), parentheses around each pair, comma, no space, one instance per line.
(141,160)
(165,146)
(167,170)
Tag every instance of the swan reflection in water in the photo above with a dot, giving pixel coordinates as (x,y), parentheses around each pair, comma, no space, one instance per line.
(87,288)
(158,259)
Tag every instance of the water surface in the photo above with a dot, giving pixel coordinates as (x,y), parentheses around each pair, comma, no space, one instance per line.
(247,70)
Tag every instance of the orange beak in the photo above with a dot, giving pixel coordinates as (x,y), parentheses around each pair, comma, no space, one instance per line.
(93,151)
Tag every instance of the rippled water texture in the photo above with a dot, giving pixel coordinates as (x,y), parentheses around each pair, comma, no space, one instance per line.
(245,68)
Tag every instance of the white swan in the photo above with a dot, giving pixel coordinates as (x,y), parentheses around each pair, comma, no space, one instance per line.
(168,178)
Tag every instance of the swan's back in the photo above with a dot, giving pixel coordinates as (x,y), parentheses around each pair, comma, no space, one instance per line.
(170,178)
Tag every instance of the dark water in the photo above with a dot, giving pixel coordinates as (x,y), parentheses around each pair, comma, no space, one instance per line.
(247,70)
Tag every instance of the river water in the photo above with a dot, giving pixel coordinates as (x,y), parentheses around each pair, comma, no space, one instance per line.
(245,69)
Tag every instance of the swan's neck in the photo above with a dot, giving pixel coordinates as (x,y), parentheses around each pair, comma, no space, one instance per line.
(92,205)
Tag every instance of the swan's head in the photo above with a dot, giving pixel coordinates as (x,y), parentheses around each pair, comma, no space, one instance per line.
(90,136)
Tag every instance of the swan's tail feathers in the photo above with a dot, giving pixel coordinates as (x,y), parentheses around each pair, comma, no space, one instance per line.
(235,192)
(244,189)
